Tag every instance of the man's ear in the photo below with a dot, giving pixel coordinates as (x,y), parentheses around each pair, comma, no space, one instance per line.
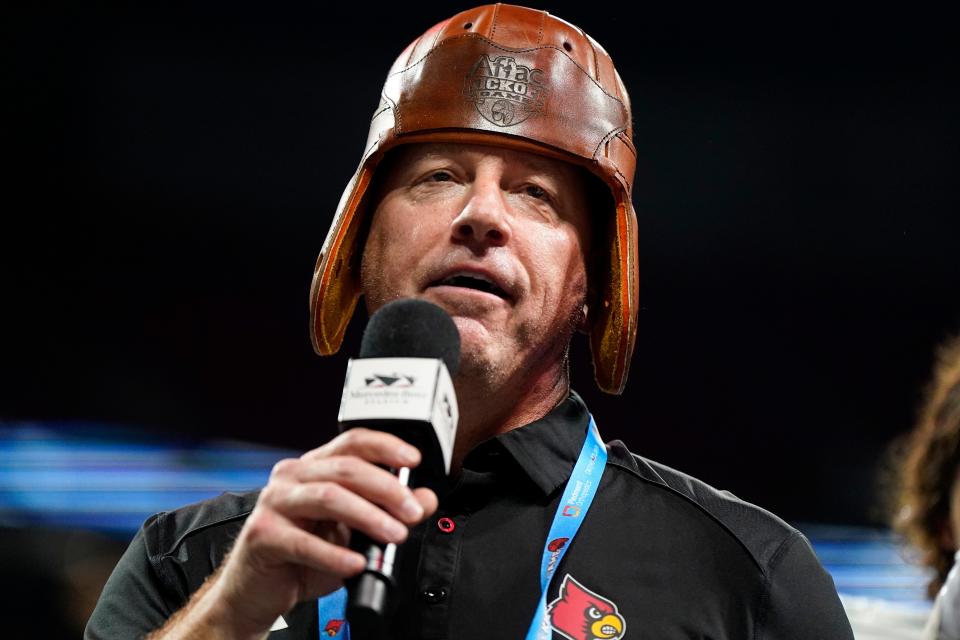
(583,324)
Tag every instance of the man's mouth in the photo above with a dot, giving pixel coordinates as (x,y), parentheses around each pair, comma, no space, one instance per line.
(475,281)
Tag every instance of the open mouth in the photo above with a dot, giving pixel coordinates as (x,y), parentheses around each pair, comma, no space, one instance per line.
(473,281)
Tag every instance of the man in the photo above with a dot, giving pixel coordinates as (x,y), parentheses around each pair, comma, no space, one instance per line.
(496,184)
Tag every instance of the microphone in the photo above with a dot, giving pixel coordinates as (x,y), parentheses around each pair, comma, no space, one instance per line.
(401,383)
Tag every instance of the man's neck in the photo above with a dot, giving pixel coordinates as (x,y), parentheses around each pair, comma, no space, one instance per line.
(486,412)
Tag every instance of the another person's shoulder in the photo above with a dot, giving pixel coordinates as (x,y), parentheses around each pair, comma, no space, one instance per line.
(760,532)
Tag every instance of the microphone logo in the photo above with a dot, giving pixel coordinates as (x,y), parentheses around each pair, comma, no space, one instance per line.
(397,381)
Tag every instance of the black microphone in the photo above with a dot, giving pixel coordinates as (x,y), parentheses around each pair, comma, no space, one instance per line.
(402,384)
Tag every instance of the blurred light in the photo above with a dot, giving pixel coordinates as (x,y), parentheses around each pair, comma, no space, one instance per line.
(871,564)
(83,476)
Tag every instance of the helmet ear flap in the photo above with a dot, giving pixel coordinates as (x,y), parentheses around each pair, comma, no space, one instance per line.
(336,278)
(613,325)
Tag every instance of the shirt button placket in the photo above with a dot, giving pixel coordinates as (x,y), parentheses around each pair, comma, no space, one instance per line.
(438,572)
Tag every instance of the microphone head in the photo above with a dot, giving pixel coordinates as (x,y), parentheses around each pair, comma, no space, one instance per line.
(411,328)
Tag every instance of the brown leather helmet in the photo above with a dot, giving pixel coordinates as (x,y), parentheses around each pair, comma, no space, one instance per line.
(511,77)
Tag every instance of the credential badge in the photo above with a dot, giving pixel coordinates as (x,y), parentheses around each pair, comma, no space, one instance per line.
(505,92)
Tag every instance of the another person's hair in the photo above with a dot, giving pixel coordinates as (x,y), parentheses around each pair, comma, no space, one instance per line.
(929,468)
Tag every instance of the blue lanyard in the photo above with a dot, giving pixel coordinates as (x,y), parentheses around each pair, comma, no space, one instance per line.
(577,497)
(332,610)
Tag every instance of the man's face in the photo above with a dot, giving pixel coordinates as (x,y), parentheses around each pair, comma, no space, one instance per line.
(495,237)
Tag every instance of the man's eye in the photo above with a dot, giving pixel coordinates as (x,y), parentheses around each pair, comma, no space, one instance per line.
(534,191)
(440,176)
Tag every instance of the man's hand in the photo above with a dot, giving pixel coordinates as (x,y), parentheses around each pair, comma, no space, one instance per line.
(293,545)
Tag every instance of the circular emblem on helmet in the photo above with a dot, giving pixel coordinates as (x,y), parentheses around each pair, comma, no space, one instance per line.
(502,112)
(504,91)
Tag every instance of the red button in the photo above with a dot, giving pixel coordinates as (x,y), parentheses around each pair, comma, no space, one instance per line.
(446,525)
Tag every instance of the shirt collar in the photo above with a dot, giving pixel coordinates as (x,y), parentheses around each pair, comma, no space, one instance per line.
(546,449)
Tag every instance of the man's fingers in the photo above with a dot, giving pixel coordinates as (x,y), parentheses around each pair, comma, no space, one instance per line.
(282,540)
(367,480)
(427,499)
(330,501)
(375,446)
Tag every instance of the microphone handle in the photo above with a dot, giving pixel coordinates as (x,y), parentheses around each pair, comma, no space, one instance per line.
(370,594)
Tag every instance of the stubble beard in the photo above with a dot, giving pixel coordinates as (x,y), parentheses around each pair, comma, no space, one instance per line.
(493,369)
(491,366)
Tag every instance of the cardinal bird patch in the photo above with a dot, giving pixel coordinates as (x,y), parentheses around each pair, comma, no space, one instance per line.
(581,614)
(333,627)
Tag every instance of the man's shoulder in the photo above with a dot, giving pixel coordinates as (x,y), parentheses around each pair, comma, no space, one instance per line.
(214,520)
(763,534)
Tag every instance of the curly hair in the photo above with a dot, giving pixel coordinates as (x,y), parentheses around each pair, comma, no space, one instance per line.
(929,467)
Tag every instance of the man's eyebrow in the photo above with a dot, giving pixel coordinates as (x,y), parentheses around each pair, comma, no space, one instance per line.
(528,160)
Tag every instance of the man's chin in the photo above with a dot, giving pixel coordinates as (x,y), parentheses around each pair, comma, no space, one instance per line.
(475,337)
(477,348)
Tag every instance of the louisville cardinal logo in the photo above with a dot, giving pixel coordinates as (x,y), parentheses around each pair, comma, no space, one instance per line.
(333,627)
(557,544)
(581,614)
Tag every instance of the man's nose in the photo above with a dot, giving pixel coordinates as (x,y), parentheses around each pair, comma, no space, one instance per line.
(484,220)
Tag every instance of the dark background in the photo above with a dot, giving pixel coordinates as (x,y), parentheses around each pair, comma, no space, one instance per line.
(173,171)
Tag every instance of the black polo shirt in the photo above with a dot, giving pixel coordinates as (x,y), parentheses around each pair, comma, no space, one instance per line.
(664,554)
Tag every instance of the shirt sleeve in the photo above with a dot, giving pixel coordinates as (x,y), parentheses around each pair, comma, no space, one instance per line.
(135,600)
(802,601)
